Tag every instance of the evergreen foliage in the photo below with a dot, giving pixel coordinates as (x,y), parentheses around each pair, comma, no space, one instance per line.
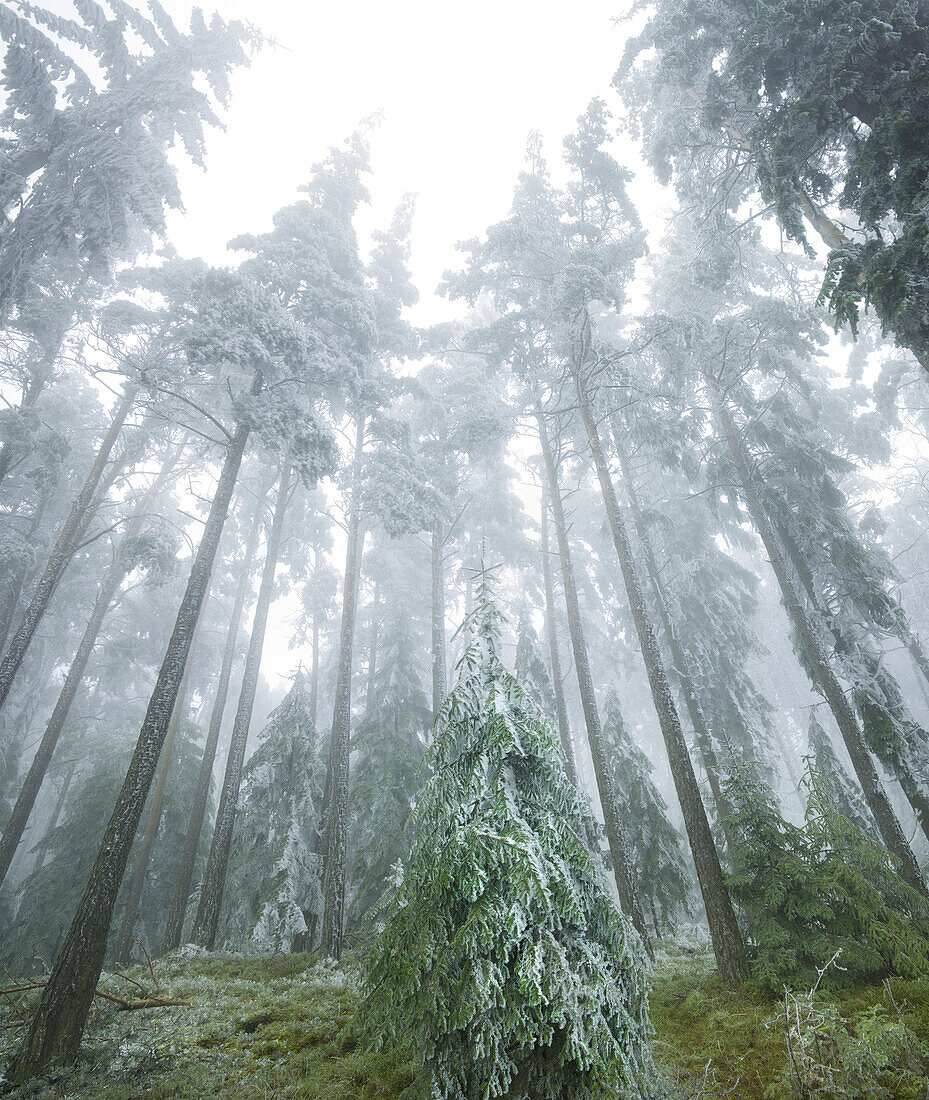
(845,793)
(274,889)
(655,845)
(390,743)
(811,891)
(502,959)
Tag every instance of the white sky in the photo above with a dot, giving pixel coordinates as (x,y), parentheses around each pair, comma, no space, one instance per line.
(460,87)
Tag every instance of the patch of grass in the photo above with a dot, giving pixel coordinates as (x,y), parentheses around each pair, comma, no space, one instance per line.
(713,1041)
(269,1027)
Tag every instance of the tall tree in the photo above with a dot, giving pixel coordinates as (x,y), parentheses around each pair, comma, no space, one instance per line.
(227,309)
(214,882)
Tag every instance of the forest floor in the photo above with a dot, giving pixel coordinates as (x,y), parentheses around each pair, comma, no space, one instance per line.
(277,1026)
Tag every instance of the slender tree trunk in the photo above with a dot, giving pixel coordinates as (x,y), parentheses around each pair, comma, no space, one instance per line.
(885,706)
(122,949)
(439,660)
(46,841)
(622,867)
(39,767)
(724,928)
(551,630)
(337,801)
(818,661)
(174,927)
(680,666)
(18,579)
(214,881)
(314,673)
(57,1025)
(63,550)
(372,654)
(920,674)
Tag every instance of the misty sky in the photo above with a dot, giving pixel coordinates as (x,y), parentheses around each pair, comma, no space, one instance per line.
(460,87)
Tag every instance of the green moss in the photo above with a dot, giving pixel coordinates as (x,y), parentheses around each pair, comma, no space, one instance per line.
(732,1042)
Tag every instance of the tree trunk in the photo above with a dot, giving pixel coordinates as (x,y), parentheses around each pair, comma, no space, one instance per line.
(314,673)
(372,654)
(214,882)
(174,927)
(551,630)
(724,928)
(39,767)
(18,579)
(63,550)
(680,666)
(123,946)
(622,868)
(57,1025)
(337,800)
(818,661)
(439,660)
(888,709)
(46,840)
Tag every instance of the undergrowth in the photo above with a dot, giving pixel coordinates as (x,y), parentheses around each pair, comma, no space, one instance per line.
(276,1026)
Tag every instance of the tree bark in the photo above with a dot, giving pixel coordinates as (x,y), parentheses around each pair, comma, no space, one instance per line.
(57,1025)
(174,927)
(817,660)
(46,840)
(680,666)
(18,580)
(372,653)
(622,868)
(439,660)
(724,928)
(551,630)
(214,882)
(122,949)
(337,795)
(314,673)
(13,832)
(65,545)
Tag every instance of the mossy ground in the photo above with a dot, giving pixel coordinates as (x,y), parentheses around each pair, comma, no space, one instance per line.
(264,1027)
(274,1027)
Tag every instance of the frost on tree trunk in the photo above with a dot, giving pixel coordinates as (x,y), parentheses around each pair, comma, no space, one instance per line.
(65,545)
(817,659)
(551,630)
(56,1028)
(123,948)
(214,882)
(174,927)
(724,929)
(336,806)
(439,660)
(680,665)
(40,763)
(622,868)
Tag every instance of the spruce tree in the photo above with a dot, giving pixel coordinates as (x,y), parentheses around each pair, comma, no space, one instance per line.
(274,890)
(655,846)
(845,794)
(502,958)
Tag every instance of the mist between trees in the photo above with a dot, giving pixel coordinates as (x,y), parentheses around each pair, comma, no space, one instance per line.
(503,650)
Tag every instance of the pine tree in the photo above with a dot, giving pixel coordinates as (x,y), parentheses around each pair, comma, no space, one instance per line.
(274,892)
(654,844)
(390,744)
(502,958)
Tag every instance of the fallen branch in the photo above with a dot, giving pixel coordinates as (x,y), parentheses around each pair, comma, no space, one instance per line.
(148,1002)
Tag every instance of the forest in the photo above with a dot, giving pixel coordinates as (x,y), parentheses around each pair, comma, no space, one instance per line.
(508,684)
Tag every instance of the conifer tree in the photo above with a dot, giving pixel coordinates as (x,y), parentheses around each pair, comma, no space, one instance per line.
(274,892)
(843,791)
(502,958)
(654,844)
